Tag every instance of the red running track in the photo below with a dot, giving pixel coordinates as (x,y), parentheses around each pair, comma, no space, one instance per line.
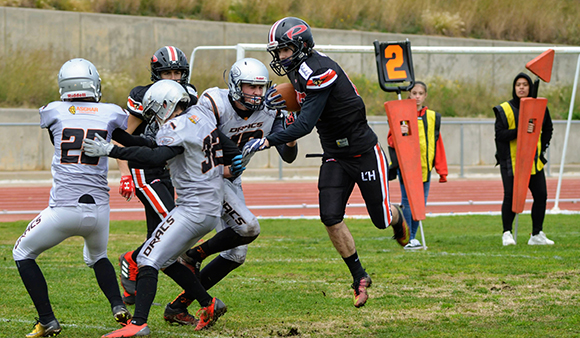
(298,193)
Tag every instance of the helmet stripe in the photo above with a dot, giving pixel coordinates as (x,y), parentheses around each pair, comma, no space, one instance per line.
(172,53)
(272,34)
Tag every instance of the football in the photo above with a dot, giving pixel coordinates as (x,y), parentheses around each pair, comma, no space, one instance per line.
(286,90)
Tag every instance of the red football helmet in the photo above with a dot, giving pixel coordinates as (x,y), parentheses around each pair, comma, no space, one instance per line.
(293,33)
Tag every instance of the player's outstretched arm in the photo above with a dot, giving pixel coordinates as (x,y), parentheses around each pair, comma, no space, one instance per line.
(145,155)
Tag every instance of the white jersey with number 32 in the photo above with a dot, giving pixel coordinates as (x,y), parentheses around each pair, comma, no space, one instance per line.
(197,173)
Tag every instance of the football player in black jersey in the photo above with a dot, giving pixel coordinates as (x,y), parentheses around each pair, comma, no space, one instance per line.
(153,184)
(352,154)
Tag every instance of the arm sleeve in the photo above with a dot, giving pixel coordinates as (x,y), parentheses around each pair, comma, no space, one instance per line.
(129,140)
(547,130)
(440,161)
(288,154)
(311,110)
(228,147)
(151,156)
(502,133)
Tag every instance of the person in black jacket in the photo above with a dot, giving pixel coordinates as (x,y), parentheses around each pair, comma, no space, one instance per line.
(506,131)
(352,154)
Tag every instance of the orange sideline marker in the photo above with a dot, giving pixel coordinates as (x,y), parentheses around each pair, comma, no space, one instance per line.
(530,110)
(542,65)
(408,152)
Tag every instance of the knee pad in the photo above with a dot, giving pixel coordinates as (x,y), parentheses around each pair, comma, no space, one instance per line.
(250,229)
(237,254)
(91,261)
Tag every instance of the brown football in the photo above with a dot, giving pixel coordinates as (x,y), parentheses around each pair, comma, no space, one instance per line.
(286,90)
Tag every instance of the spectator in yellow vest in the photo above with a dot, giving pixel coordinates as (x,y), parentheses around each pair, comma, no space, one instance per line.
(432,154)
(506,131)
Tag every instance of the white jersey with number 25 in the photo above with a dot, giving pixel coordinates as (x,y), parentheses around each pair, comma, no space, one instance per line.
(74,173)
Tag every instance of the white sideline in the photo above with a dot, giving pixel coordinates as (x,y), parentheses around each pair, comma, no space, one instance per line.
(351,205)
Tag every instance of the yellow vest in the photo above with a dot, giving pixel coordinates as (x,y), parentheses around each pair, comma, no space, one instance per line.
(428,135)
(509,114)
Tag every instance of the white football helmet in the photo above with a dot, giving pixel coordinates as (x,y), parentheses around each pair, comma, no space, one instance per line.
(162,98)
(78,79)
(250,71)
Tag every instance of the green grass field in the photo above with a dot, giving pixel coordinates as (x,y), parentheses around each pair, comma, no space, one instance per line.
(295,284)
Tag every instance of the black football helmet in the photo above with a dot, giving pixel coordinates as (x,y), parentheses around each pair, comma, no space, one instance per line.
(293,33)
(168,58)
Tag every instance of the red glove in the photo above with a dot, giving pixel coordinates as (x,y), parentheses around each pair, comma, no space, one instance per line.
(442,178)
(127,187)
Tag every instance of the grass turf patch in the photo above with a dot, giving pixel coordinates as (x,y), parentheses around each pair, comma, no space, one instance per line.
(294,283)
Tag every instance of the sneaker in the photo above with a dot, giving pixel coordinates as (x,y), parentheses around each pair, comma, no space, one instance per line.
(540,239)
(193,264)
(131,330)
(179,316)
(508,238)
(413,245)
(209,315)
(129,271)
(400,229)
(360,290)
(51,329)
(121,314)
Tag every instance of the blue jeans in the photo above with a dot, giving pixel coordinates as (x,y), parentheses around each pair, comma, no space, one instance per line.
(405,203)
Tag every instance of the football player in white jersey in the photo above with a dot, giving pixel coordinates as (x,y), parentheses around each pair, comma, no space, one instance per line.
(190,143)
(79,198)
(241,116)
(154,187)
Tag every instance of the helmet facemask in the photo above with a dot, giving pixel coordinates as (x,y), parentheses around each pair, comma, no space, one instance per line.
(252,72)
(161,99)
(283,67)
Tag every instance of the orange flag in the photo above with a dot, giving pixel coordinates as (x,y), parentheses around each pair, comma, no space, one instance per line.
(408,151)
(531,110)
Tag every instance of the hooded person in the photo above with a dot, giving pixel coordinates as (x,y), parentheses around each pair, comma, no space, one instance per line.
(506,126)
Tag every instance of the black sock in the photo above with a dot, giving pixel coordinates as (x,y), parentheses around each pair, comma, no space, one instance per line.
(107,280)
(355,266)
(222,241)
(35,284)
(136,252)
(216,270)
(189,282)
(146,290)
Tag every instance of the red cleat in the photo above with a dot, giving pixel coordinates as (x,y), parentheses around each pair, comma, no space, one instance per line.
(131,330)
(129,271)
(360,290)
(209,315)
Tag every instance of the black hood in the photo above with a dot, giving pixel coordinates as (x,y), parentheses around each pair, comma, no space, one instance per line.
(515,101)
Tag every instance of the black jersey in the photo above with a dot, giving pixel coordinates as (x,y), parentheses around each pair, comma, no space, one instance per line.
(330,101)
(135,108)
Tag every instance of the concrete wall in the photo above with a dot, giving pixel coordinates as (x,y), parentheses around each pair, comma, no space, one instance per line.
(29,147)
(109,40)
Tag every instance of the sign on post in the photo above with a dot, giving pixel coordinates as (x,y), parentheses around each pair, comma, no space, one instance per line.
(394,65)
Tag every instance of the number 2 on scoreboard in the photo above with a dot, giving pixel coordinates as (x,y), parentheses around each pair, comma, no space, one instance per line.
(395,62)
